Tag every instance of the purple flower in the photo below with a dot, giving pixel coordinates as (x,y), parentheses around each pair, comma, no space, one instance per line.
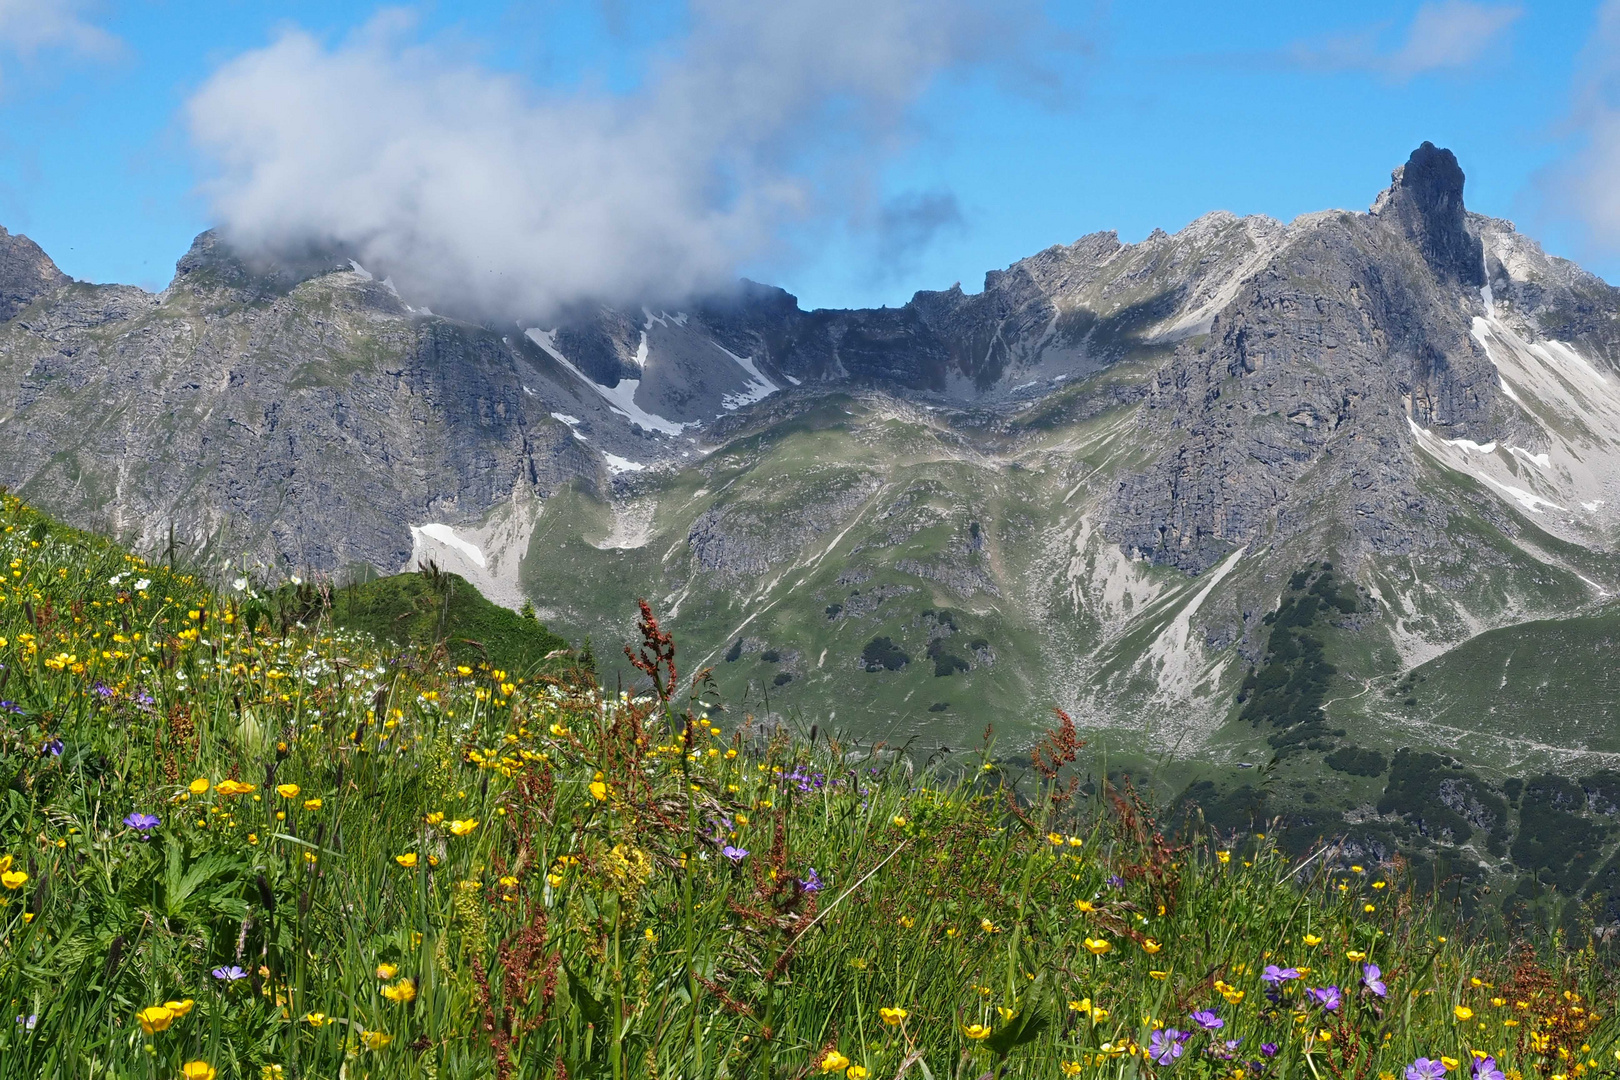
(811,883)
(1276,976)
(143,823)
(1485,1069)
(1325,996)
(229,974)
(1233,1044)
(1206,1019)
(28,1022)
(735,854)
(1424,1069)
(1116,881)
(10,706)
(52,747)
(1372,979)
(1167,1045)
(1269,1049)
(104,690)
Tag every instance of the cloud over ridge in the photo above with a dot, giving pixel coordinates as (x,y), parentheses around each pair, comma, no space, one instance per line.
(483,194)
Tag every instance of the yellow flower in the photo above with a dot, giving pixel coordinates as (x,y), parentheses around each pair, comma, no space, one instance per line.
(987,926)
(312,804)
(1055,839)
(199,785)
(375,1040)
(1224,856)
(906,922)
(1150,946)
(1160,975)
(402,992)
(1379,884)
(13,879)
(1463,1012)
(1368,908)
(233,787)
(856,1072)
(463,826)
(407,860)
(179,1008)
(287,791)
(1312,939)
(899,822)
(1355,956)
(834,1062)
(197,1070)
(976,1031)
(598,791)
(1085,906)
(893,1016)
(155,1018)
(1448,1062)
(1081,1006)
(1070,1068)
(317,1019)
(1098,946)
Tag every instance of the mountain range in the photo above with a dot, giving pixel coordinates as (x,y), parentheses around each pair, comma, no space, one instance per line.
(1255,492)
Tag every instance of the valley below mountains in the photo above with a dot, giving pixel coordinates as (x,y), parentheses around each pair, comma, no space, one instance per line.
(1313,520)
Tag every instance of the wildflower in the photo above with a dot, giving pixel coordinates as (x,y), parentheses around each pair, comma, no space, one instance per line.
(1325,996)
(1448,1062)
(1206,1019)
(856,1072)
(1463,1012)
(317,1019)
(899,822)
(1160,975)
(434,818)
(1224,856)
(976,1031)
(143,823)
(1425,1069)
(1269,1049)
(288,791)
(27,1022)
(197,1070)
(312,804)
(598,791)
(735,854)
(1276,976)
(1150,946)
(179,1008)
(834,1062)
(1313,939)
(1167,1045)
(387,971)
(1355,956)
(233,787)
(1115,881)
(407,860)
(1071,1068)
(1081,1006)
(155,1018)
(228,974)
(402,992)
(1372,979)
(1098,946)
(813,884)
(1369,908)
(1085,906)
(893,1015)
(199,785)
(375,1040)
(13,879)
(1484,1068)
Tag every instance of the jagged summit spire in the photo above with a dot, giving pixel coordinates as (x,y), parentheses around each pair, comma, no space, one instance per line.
(26,273)
(1426,198)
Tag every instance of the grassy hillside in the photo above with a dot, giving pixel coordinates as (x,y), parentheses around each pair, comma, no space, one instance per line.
(234,851)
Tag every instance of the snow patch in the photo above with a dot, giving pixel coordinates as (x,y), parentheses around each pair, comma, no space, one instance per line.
(1539,460)
(571,421)
(758,389)
(445,535)
(617,464)
(621,399)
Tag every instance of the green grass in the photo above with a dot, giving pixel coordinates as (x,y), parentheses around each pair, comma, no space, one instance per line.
(431,870)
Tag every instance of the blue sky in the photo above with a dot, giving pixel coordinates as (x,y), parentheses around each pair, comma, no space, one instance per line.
(1123,116)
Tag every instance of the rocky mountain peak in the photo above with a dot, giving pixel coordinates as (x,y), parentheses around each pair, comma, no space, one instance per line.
(26,273)
(1426,198)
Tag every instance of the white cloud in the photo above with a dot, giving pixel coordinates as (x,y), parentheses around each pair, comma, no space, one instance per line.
(477,191)
(28,26)
(1443,36)
(1585,185)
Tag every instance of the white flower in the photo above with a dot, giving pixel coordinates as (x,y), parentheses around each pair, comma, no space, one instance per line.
(240,584)
(115,579)
(143,584)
